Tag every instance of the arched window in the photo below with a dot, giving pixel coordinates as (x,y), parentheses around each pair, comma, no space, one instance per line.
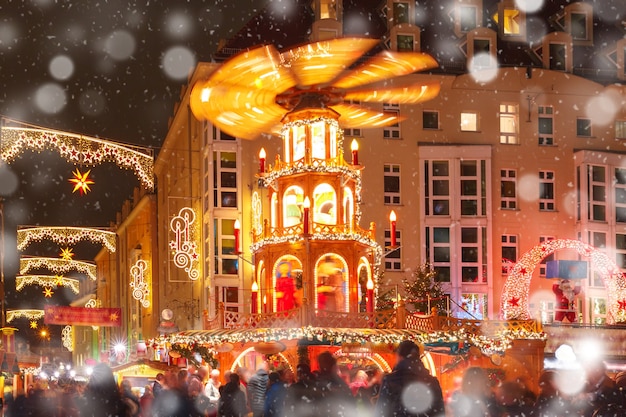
(292,204)
(287,283)
(324,204)
(274,210)
(348,206)
(331,283)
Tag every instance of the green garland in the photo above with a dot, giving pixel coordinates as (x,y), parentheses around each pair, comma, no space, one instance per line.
(189,352)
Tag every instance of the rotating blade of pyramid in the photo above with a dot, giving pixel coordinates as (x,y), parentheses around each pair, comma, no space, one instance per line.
(353,116)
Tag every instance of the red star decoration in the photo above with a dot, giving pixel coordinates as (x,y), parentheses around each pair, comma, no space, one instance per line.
(622,304)
(514,301)
(523,271)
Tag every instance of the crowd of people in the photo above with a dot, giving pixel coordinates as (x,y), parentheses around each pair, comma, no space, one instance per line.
(408,391)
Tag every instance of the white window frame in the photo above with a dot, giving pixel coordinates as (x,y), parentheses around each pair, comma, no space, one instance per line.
(393,258)
(589,127)
(393,131)
(509,176)
(392,170)
(545,113)
(509,121)
(511,242)
(620,129)
(467,124)
(547,201)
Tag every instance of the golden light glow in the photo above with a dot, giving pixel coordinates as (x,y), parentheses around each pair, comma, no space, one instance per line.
(57,266)
(46,281)
(256,89)
(47,292)
(370,284)
(237,225)
(262,153)
(67,236)
(77,149)
(34,324)
(67,254)
(255,286)
(354,146)
(306,203)
(392,216)
(81,181)
(28,314)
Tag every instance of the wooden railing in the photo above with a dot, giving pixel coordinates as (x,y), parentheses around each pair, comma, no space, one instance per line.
(398,318)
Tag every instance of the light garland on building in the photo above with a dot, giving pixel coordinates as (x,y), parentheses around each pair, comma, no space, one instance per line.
(139,284)
(78,149)
(68,236)
(58,266)
(46,281)
(183,246)
(67,336)
(27,314)
(517,286)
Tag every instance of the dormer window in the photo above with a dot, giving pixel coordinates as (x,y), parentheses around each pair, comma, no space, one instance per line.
(511,21)
(467,15)
(577,20)
(401,13)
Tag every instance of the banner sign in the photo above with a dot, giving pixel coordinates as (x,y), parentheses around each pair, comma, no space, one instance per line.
(83,316)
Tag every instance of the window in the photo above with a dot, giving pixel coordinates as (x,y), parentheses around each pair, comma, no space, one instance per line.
(620,195)
(508,186)
(393,260)
(467,18)
(472,306)
(430,119)
(405,43)
(471,188)
(437,188)
(511,19)
(352,132)
(578,26)
(620,129)
(546,191)
(558,57)
(508,124)
(545,260)
(225,179)
(473,256)
(509,253)
(620,250)
(401,13)
(469,122)
(482,55)
(227,262)
(438,251)
(597,192)
(393,131)
(583,127)
(546,126)
(230,296)
(392,184)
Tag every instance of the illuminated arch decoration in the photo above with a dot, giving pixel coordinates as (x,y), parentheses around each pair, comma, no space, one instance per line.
(183,245)
(257,212)
(67,336)
(78,149)
(27,314)
(58,266)
(46,281)
(516,288)
(139,284)
(67,236)
(237,362)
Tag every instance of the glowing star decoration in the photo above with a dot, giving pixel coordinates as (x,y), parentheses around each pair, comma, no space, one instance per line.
(67,336)
(47,292)
(183,246)
(113,318)
(34,324)
(59,280)
(58,266)
(46,281)
(139,285)
(81,182)
(517,285)
(67,254)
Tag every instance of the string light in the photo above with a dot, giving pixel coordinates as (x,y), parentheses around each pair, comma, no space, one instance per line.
(183,245)
(28,314)
(67,336)
(47,292)
(517,286)
(68,236)
(46,281)
(139,284)
(78,149)
(58,266)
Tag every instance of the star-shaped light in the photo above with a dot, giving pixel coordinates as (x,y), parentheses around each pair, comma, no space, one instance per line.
(59,280)
(34,324)
(622,304)
(81,181)
(514,301)
(66,254)
(113,317)
(47,292)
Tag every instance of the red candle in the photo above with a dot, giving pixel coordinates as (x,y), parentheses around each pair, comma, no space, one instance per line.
(305,217)
(255,302)
(392,220)
(236,232)
(370,295)
(354,146)
(262,160)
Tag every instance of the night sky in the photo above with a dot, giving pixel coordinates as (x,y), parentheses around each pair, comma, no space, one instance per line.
(110,69)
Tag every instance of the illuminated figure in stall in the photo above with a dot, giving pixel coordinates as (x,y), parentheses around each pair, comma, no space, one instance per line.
(565,308)
(285,287)
(330,293)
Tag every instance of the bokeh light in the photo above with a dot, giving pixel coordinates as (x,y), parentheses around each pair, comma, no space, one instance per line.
(50,98)
(529,6)
(417,397)
(179,25)
(483,67)
(178,61)
(120,45)
(603,108)
(61,67)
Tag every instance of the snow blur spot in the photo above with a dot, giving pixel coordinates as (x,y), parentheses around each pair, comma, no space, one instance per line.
(50,98)
(417,397)
(91,102)
(16,213)
(529,187)
(603,108)
(178,61)
(120,45)
(61,67)
(570,382)
(483,68)
(529,6)
(8,35)
(8,180)
(356,23)
(179,25)
(286,7)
